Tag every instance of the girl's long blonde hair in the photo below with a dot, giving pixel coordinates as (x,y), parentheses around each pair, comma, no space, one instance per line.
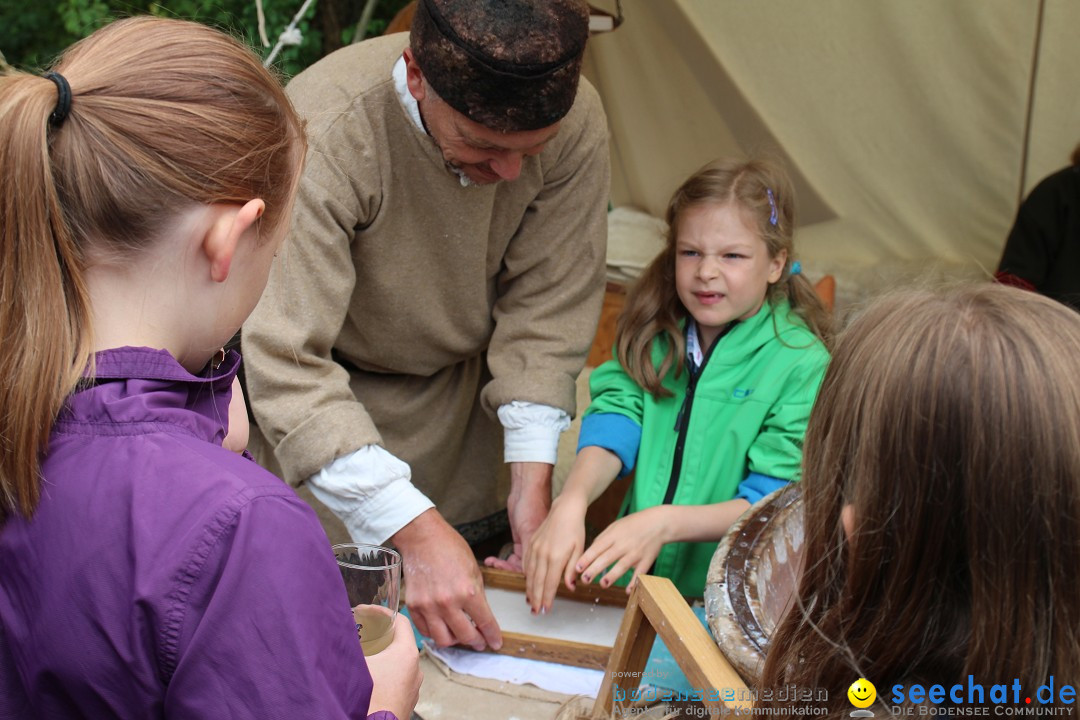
(653,309)
(950,422)
(164,114)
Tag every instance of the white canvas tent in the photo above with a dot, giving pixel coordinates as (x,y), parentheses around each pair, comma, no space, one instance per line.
(912,127)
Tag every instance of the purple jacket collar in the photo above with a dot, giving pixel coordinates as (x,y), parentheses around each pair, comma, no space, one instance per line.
(136,385)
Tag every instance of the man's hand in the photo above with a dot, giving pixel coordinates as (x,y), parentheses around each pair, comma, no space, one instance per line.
(443,586)
(527,506)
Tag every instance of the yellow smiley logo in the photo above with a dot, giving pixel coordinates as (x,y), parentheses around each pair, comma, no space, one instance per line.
(862,693)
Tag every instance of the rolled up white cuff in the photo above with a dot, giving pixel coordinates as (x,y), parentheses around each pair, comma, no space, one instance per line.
(531,431)
(371,491)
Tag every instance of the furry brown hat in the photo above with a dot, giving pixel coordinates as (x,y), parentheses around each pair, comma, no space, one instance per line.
(510,65)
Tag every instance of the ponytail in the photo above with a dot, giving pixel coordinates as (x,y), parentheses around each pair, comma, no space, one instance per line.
(807,304)
(44,308)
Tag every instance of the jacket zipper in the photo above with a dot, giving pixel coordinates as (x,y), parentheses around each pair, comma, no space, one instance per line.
(682,420)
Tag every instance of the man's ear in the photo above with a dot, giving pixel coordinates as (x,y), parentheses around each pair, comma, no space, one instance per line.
(413,76)
(223,236)
(847,520)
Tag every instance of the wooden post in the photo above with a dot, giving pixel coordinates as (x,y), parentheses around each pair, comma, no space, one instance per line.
(631,652)
(656,607)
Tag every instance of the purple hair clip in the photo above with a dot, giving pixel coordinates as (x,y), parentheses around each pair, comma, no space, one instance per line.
(773,215)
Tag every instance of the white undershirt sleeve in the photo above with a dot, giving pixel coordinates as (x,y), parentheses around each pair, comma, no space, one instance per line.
(531,431)
(371,491)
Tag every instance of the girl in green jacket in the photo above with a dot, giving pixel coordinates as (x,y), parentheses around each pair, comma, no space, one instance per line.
(719,356)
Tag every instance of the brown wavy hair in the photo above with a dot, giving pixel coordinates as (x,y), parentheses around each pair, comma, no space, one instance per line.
(950,421)
(653,309)
(164,114)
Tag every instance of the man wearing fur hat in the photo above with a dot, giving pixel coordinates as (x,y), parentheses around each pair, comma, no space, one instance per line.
(419,339)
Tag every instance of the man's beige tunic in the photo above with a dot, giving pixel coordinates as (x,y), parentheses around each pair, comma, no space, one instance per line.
(404,308)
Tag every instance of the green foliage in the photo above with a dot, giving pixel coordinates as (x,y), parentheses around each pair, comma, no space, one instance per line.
(80,17)
(33,34)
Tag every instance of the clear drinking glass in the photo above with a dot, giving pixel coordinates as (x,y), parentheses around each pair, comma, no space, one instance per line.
(372,575)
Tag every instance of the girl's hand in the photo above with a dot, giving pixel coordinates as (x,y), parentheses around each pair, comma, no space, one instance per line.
(553,551)
(395,673)
(630,542)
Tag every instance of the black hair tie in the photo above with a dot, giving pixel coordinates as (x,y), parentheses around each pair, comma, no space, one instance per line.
(63,99)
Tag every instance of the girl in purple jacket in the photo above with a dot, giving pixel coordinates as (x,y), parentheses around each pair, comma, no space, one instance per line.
(145,571)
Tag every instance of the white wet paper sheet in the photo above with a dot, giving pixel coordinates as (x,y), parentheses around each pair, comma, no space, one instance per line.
(549,676)
(578,621)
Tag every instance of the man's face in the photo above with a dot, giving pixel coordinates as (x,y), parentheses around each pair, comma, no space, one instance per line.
(483,155)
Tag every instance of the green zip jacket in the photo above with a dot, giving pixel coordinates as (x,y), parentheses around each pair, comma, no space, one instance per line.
(747,417)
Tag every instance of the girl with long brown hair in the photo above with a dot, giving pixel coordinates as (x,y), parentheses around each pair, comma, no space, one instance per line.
(146,571)
(941,490)
(719,355)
